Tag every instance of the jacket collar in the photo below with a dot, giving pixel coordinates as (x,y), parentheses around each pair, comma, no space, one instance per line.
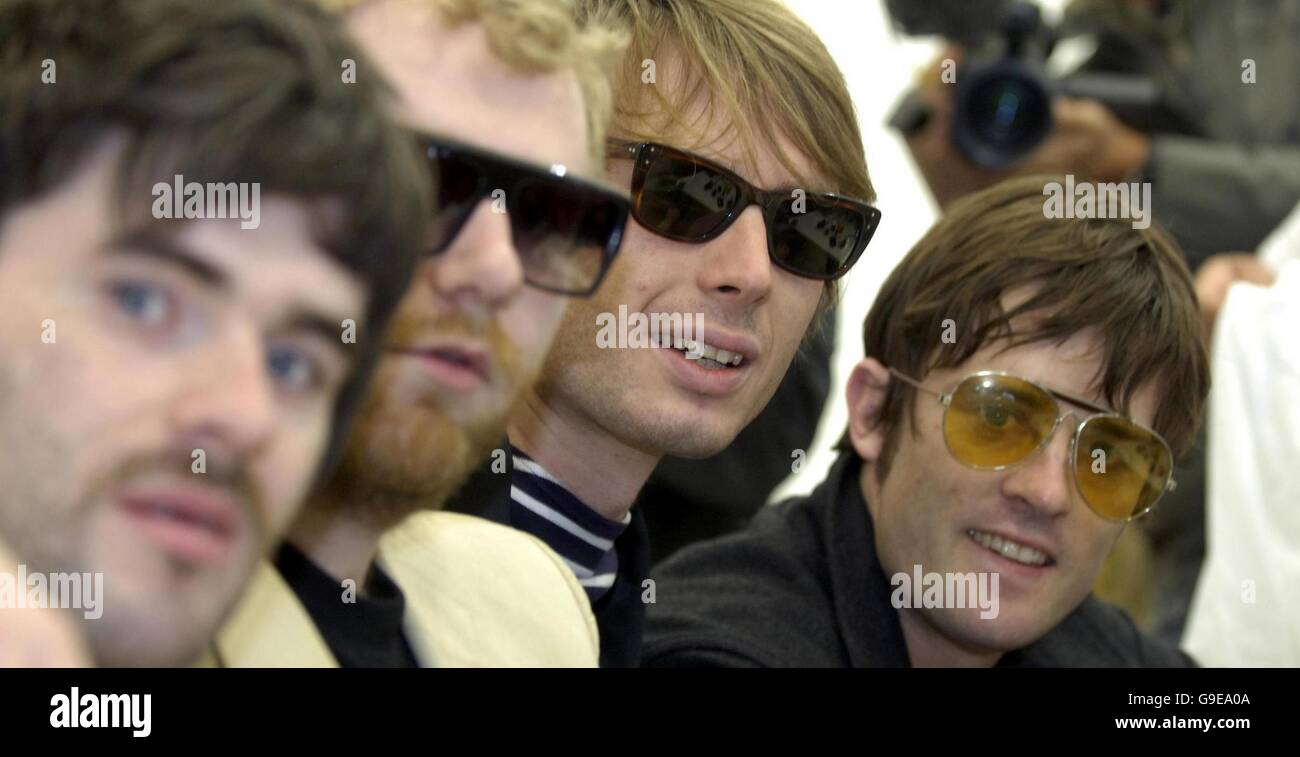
(270,628)
(867,621)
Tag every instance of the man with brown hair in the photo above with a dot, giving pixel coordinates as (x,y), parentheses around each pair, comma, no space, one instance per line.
(173,368)
(1021,378)
(736,135)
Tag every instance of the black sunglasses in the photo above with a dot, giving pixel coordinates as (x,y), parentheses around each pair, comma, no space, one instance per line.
(687,198)
(566,229)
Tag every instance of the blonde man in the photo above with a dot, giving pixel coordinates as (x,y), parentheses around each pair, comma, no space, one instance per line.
(511,104)
(735,133)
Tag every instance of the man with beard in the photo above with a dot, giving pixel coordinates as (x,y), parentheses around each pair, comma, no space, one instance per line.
(171,372)
(369,576)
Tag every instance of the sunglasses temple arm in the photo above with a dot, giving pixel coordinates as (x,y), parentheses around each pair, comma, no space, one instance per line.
(914,383)
(618,148)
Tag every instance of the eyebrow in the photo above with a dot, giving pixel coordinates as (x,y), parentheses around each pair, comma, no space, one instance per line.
(1081,402)
(146,243)
(164,248)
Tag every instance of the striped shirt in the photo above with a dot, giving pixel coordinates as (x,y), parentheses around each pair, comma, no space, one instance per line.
(583,538)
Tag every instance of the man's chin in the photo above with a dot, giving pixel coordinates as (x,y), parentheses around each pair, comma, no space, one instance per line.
(1010,630)
(158,630)
(410,464)
(693,436)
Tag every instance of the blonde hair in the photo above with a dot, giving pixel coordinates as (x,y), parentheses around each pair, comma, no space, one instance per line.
(540,36)
(757,65)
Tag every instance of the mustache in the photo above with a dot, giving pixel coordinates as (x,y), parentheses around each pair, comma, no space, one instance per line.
(219,472)
(506,357)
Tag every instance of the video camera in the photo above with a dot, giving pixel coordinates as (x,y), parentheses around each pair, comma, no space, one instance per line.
(1003,93)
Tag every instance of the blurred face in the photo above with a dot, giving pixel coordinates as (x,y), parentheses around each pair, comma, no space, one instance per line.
(164,402)
(656,399)
(933,511)
(469,335)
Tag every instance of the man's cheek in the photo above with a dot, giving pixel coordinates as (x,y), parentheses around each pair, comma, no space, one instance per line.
(285,473)
(1094,552)
(532,329)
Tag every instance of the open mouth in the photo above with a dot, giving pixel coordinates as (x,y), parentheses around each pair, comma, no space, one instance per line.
(1011,550)
(708,356)
(458,359)
(460,369)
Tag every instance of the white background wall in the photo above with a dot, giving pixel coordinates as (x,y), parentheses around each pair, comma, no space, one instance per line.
(879,65)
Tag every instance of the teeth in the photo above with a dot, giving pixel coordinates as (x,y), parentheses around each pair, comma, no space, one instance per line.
(1009,549)
(696,350)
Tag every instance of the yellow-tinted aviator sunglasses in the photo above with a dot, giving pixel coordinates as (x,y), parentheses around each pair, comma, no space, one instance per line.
(994,421)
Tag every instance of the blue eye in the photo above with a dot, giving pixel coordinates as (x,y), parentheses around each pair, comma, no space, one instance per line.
(293,368)
(145,303)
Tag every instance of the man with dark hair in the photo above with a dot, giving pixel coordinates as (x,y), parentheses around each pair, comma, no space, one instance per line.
(1021,378)
(176,355)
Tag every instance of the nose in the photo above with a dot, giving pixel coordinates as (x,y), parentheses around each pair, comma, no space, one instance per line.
(736,266)
(228,408)
(481,264)
(1042,483)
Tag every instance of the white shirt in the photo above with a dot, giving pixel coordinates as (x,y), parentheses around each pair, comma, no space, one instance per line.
(1246,609)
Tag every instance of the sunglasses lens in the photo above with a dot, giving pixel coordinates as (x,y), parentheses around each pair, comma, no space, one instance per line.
(820,240)
(458,181)
(994,421)
(682,199)
(1121,468)
(562,230)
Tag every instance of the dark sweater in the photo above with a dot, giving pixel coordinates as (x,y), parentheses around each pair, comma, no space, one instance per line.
(802,587)
(363,633)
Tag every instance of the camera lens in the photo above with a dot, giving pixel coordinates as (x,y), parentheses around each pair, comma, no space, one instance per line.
(1002,116)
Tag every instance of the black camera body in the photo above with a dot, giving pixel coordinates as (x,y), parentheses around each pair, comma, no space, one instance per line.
(1002,103)
(1002,99)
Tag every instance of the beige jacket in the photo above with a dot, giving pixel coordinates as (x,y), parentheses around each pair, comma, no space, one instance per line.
(477,595)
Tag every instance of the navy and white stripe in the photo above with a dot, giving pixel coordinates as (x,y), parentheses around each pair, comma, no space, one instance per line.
(583,538)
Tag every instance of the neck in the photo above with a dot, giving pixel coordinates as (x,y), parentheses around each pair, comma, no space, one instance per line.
(597,468)
(339,543)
